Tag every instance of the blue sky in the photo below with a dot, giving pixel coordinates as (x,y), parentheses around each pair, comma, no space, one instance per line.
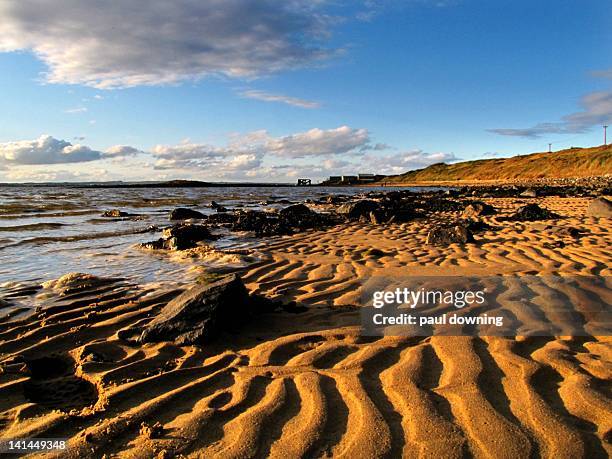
(268,91)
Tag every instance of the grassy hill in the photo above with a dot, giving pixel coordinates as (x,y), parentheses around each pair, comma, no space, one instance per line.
(574,162)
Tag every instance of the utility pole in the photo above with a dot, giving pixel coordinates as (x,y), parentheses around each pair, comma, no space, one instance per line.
(550,148)
(605,134)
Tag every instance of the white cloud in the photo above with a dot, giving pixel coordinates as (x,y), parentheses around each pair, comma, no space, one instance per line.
(49,150)
(215,160)
(253,155)
(319,142)
(597,110)
(251,148)
(120,43)
(187,150)
(244,162)
(268,97)
(46,150)
(120,151)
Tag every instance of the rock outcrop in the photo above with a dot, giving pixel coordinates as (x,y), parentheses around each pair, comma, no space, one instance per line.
(182,213)
(199,314)
(530,213)
(445,235)
(180,237)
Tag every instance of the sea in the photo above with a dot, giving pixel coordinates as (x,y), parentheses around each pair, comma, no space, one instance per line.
(46,232)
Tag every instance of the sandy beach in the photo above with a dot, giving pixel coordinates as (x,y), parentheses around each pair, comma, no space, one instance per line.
(373,229)
(308,384)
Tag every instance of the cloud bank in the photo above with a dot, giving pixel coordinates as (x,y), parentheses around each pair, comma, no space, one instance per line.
(247,151)
(315,153)
(49,150)
(117,43)
(46,150)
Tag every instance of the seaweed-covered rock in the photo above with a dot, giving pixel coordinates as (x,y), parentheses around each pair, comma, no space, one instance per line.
(445,235)
(182,213)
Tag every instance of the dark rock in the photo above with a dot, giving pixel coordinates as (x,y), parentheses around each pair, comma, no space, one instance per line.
(554,245)
(377,253)
(569,232)
(354,210)
(199,314)
(476,226)
(334,199)
(159,244)
(116,213)
(532,212)
(377,217)
(222,218)
(296,210)
(182,213)
(218,207)
(180,237)
(442,205)
(453,193)
(403,215)
(262,223)
(600,207)
(457,234)
(477,208)
(151,431)
(294,308)
(284,222)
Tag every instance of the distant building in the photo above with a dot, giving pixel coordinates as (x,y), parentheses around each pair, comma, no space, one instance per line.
(366,177)
(349,179)
(358,179)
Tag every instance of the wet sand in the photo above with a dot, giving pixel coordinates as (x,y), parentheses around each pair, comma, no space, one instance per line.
(309,385)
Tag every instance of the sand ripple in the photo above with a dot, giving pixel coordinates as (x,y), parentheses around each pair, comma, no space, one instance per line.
(309,385)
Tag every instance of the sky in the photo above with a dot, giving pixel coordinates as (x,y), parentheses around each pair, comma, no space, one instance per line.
(272,91)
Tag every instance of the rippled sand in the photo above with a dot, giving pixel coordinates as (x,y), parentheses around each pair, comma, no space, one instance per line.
(308,385)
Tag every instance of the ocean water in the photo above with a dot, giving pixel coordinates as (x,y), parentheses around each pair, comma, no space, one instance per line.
(46,232)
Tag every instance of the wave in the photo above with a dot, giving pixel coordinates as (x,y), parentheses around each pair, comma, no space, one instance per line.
(73,213)
(33,227)
(80,237)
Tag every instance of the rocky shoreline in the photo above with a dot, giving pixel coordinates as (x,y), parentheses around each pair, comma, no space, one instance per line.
(375,207)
